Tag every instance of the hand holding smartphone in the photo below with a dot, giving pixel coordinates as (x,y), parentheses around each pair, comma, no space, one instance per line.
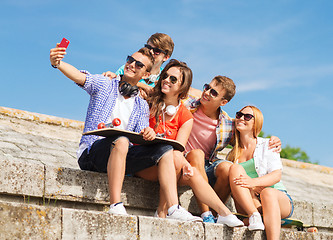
(64,43)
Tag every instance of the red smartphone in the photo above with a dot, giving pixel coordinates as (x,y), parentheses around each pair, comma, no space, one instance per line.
(64,43)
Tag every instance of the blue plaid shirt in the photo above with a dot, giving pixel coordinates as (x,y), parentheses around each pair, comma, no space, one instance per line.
(103,95)
(224,129)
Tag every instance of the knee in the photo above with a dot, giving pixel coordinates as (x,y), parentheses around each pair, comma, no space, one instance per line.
(235,169)
(222,170)
(196,158)
(121,144)
(268,194)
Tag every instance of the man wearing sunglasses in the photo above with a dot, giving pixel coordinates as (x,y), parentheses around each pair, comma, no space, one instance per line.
(212,131)
(161,47)
(116,98)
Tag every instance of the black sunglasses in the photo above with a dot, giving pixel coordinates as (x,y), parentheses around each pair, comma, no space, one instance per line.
(172,79)
(247,116)
(138,64)
(156,51)
(212,92)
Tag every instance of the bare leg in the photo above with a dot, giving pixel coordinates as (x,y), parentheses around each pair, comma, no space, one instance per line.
(275,205)
(166,174)
(197,160)
(205,193)
(222,186)
(116,168)
(242,195)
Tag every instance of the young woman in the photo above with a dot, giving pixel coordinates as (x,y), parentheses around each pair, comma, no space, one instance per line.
(255,178)
(172,120)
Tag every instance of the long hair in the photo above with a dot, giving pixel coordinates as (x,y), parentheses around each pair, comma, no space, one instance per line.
(156,98)
(236,152)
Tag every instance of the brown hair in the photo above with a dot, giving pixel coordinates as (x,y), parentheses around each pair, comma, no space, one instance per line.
(156,98)
(227,84)
(236,152)
(146,52)
(162,41)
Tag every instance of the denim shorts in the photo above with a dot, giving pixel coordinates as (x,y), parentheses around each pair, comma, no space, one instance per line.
(210,168)
(139,157)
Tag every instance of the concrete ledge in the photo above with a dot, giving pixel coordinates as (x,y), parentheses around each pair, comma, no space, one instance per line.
(21,177)
(23,221)
(78,224)
(37,117)
(139,196)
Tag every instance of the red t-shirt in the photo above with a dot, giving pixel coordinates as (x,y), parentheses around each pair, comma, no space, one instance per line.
(171,127)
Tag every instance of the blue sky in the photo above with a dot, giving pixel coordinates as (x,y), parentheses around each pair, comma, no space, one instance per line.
(279,54)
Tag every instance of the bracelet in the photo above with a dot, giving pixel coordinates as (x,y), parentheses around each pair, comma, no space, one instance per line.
(55,66)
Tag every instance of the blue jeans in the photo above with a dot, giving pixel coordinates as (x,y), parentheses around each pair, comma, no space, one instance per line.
(210,168)
(139,157)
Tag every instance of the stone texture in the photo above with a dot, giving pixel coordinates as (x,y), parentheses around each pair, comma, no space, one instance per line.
(23,221)
(38,150)
(76,185)
(155,228)
(21,177)
(80,224)
(303,210)
(323,215)
(86,186)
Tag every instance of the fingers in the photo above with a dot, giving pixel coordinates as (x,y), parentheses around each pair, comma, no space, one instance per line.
(148,134)
(109,74)
(57,54)
(187,172)
(277,149)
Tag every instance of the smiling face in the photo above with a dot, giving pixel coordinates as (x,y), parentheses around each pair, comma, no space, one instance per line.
(171,83)
(213,102)
(159,57)
(243,125)
(133,70)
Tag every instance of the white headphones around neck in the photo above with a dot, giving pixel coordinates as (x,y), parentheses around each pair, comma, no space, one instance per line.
(170,109)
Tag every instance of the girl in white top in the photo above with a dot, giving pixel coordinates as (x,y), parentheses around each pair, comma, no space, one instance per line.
(255,176)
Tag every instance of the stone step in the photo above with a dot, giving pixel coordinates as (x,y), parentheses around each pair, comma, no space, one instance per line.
(27,221)
(74,188)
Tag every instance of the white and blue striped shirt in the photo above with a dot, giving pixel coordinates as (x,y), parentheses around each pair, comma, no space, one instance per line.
(103,94)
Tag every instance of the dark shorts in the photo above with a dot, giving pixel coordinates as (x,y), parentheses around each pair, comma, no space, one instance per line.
(139,157)
(210,168)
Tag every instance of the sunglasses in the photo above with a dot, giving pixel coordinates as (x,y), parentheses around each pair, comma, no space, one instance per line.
(247,116)
(138,64)
(156,51)
(212,92)
(172,79)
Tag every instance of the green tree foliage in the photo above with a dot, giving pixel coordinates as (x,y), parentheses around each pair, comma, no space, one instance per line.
(294,153)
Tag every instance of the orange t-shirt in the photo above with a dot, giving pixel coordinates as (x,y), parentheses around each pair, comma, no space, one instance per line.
(171,127)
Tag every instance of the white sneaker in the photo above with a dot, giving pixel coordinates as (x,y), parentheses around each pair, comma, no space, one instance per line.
(230,220)
(118,209)
(255,222)
(181,214)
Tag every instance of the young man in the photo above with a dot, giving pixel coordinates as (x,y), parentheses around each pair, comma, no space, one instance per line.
(161,47)
(212,131)
(116,156)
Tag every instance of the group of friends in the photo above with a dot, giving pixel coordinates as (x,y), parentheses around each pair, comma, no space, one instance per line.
(155,100)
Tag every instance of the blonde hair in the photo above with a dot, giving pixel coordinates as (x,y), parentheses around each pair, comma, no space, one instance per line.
(236,152)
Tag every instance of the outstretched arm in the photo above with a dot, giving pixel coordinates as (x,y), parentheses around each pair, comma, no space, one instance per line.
(56,56)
